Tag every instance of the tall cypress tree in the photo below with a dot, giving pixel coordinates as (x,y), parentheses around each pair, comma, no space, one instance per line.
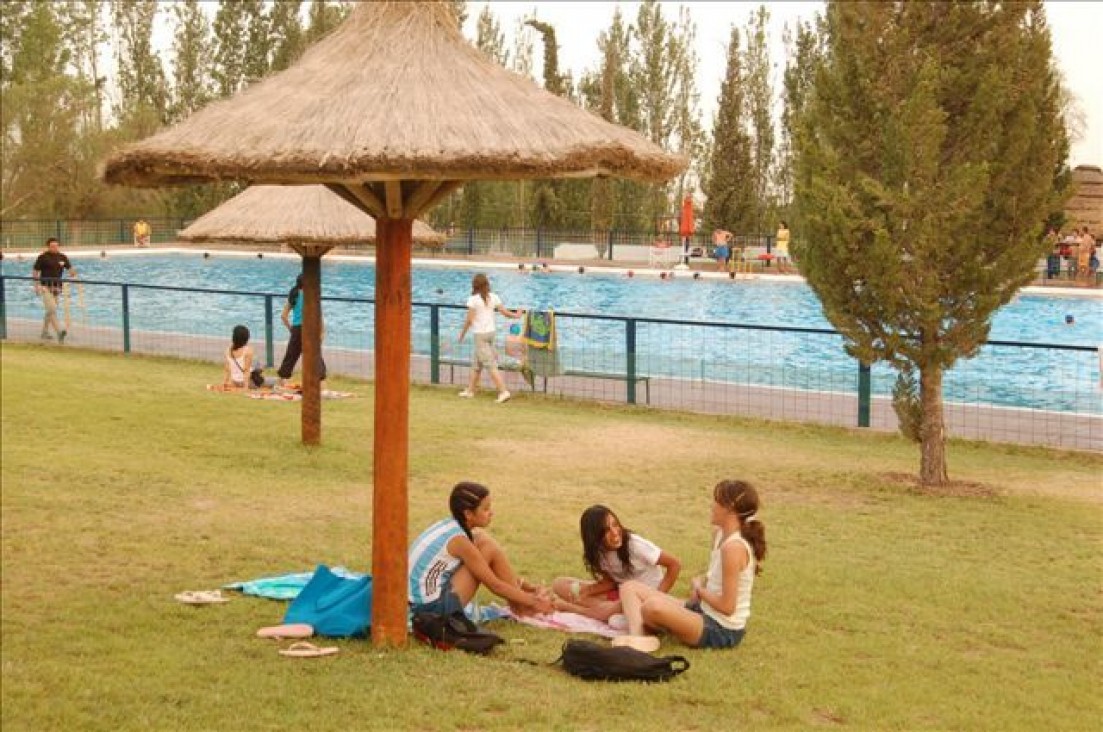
(287,33)
(728,182)
(924,168)
(228,69)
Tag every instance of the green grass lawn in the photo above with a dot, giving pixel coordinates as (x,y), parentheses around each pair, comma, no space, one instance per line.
(125,482)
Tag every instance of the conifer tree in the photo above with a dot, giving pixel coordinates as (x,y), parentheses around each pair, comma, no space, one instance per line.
(287,33)
(728,182)
(143,91)
(924,167)
(758,95)
(228,69)
(258,41)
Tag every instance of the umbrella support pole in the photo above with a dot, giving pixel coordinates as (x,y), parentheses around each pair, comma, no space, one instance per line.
(312,350)
(392,417)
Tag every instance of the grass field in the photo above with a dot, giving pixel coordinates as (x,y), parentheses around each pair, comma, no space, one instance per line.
(125,482)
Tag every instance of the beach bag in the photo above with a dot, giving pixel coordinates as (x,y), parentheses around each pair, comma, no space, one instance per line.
(594,662)
(256,376)
(335,606)
(453,631)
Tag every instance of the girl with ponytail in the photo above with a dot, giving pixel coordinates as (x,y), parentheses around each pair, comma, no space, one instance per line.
(715,616)
(455,555)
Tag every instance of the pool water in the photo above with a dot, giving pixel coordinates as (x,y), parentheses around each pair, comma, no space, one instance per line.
(1033,378)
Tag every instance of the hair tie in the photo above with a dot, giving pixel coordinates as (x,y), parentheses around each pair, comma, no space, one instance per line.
(750,518)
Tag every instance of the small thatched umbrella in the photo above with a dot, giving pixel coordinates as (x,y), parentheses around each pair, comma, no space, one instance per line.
(311,220)
(394,110)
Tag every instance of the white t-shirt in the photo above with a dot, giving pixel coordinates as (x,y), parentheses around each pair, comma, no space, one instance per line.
(484,312)
(645,563)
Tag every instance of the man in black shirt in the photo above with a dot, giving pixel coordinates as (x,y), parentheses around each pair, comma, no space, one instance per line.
(48,271)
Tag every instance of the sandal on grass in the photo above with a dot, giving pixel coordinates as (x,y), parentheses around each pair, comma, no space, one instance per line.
(287,630)
(201,597)
(302,649)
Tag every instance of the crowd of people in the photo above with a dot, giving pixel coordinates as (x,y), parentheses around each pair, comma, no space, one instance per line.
(1075,252)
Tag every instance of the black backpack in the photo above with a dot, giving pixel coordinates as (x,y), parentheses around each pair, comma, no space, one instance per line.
(593,662)
(453,631)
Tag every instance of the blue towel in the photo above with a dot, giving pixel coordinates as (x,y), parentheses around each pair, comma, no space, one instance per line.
(284,586)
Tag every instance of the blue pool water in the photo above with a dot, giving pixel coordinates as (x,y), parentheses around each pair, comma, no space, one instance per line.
(1033,378)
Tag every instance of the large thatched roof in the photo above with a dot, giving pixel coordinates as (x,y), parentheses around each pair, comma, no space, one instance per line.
(395,93)
(1085,208)
(292,215)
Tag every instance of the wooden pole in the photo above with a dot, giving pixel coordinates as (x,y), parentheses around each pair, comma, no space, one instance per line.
(392,418)
(312,349)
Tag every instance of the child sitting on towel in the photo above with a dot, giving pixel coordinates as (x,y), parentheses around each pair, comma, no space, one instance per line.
(613,555)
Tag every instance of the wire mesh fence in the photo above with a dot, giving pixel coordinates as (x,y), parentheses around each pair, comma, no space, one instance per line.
(776,373)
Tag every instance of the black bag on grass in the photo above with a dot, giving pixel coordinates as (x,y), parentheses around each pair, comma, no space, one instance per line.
(453,631)
(592,662)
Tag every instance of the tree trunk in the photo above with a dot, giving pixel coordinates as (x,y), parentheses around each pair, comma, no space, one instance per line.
(932,430)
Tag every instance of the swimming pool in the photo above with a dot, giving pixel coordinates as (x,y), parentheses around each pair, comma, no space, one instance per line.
(1031,378)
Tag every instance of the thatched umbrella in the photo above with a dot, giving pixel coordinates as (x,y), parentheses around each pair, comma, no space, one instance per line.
(394,110)
(311,220)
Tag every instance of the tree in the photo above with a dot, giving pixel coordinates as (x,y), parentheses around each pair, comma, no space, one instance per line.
(689,136)
(191,53)
(758,108)
(286,33)
(728,183)
(228,67)
(924,167)
(143,91)
(803,53)
(258,41)
(323,17)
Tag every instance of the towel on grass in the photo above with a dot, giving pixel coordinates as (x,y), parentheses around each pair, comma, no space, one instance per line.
(567,623)
(284,586)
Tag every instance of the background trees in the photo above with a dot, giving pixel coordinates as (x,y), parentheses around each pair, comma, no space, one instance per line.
(925,157)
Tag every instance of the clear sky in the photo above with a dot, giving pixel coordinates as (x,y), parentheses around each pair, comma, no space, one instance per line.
(1076,26)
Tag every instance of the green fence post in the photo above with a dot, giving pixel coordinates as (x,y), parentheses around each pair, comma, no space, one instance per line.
(630,352)
(269,333)
(864,383)
(434,344)
(126,318)
(3,311)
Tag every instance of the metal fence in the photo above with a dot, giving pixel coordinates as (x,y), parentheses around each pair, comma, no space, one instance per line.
(776,373)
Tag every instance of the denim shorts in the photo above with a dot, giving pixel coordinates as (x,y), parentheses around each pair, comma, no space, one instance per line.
(447,602)
(713,634)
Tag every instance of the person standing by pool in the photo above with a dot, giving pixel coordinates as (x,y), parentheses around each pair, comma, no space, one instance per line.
(781,246)
(481,307)
(141,233)
(48,272)
(292,317)
(721,252)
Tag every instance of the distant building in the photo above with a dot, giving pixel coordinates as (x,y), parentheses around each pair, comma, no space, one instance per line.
(1086,205)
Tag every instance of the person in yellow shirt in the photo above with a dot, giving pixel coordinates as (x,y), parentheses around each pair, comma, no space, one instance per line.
(141,233)
(781,246)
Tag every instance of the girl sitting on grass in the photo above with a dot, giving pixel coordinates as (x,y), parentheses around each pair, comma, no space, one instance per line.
(720,603)
(454,556)
(238,364)
(613,555)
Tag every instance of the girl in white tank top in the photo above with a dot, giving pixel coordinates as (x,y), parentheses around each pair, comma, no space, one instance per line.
(716,614)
